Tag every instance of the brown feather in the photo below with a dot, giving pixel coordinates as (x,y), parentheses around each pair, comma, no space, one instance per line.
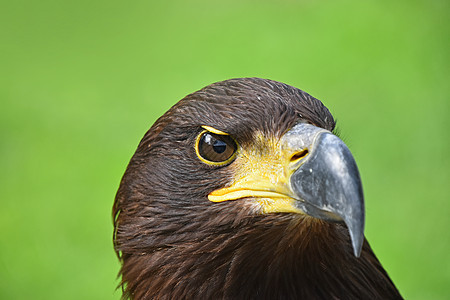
(175,244)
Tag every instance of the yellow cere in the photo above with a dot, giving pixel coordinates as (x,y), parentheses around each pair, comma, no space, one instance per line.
(261,174)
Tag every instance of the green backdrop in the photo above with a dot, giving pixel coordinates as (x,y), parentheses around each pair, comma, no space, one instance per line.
(81,82)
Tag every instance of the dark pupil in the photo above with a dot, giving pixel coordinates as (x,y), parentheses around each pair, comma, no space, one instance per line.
(216,148)
(219,146)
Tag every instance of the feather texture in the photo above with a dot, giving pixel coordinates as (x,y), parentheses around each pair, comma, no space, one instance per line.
(175,244)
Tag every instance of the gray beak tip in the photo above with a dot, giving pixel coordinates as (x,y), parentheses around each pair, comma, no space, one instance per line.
(357,236)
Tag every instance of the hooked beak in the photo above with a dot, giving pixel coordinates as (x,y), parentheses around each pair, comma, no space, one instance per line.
(326,183)
(308,171)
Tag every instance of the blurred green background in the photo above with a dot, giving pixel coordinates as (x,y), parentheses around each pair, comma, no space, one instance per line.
(81,82)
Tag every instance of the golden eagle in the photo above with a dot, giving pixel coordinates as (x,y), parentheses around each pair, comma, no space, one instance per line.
(242,191)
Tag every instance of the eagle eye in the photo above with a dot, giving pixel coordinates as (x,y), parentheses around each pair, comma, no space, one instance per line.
(215,149)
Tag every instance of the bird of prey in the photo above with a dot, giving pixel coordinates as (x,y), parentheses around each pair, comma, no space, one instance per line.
(242,190)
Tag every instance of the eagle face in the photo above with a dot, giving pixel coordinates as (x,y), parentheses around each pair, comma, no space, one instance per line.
(241,190)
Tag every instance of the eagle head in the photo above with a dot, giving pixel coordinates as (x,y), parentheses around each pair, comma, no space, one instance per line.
(242,190)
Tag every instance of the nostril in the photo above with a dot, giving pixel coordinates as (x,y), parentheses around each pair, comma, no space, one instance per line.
(299,155)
